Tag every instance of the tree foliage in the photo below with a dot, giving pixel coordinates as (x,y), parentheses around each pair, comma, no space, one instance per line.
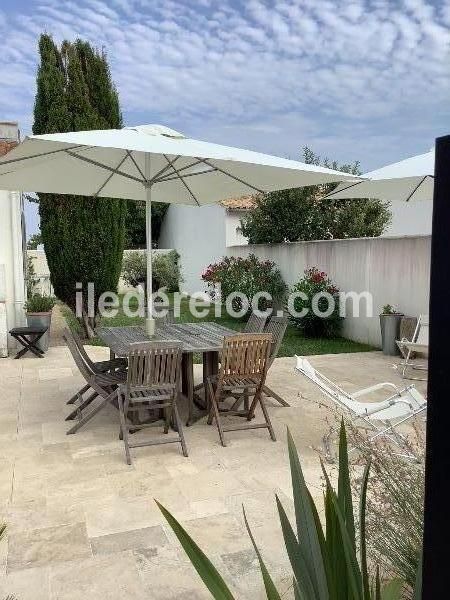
(83,237)
(34,241)
(135,223)
(304,213)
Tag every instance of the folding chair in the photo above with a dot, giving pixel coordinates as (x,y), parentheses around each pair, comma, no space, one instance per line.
(382,417)
(163,314)
(418,344)
(255,324)
(104,385)
(153,382)
(104,366)
(243,366)
(276,326)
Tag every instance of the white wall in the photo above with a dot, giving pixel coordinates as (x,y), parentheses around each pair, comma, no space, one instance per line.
(233,234)
(12,286)
(410,218)
(201,236)
(198,234)
(394,270)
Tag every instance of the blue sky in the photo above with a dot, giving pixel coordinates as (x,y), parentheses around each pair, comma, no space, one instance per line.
(360,80)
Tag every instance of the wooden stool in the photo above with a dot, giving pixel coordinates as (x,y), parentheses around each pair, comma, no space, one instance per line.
(28,337)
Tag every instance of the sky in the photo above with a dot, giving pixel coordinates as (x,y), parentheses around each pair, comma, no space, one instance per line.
(365,80)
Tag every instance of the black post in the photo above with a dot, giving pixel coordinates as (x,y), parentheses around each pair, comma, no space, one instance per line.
(436,573)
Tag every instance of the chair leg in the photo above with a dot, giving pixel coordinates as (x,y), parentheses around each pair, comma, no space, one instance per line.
(210,399)
(124,427)
(179,427)
(91,414)
(76,396)
(215,411)
(271,394)
(267,418)
(81,406)
(246,402)
(218,423)
(168,411)
(236,404)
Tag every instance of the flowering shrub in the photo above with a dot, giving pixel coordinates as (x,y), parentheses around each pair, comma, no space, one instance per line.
(317,298)
(247,276)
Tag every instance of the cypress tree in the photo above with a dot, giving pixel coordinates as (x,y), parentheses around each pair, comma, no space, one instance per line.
(83,237)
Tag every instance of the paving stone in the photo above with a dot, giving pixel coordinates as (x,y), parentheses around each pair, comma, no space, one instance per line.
(137,539)
(39,547)
(82,523)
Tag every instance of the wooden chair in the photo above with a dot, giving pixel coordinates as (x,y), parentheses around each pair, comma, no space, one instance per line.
(277,327)
(98,367)
(244,363)
(103,385)
(153,382)
(104,366)
(255,324)
(163,314)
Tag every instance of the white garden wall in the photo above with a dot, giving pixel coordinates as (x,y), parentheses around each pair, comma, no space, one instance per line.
(394,270)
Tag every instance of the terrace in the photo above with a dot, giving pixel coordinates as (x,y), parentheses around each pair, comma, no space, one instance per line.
(82,522)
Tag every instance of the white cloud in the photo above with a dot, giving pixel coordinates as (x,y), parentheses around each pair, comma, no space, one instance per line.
(300,71)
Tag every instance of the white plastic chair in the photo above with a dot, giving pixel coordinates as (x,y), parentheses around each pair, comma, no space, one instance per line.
(419,344)
(384,416)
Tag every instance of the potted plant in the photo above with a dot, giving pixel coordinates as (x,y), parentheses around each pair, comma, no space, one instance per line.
(390,320)
(39,314)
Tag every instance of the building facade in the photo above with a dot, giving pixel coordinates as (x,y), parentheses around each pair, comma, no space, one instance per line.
(202,235)
(12,255)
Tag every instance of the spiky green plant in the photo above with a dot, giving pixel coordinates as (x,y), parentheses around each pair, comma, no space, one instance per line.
(2,535)
(326,563)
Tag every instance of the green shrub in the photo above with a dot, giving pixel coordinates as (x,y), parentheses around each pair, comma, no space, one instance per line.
(166,270)
(37,303)
(31,279)
(134,268)
(247,276)
(316,325)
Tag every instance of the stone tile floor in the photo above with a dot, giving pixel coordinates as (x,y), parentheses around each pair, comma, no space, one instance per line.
(81,523)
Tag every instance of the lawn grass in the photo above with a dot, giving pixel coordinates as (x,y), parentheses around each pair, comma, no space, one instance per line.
(293,342)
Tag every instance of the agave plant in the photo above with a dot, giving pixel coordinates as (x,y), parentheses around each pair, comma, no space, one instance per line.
(2,535)
(326,563)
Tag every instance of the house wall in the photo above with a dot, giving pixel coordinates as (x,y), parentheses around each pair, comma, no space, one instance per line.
(394,270)
(12,286)
(410,218)
(198,234)
(233,235)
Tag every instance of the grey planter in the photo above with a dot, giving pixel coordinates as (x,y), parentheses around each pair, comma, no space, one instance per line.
(390,332)
(41,320)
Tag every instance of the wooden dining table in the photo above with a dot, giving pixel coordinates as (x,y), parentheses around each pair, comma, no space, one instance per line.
(205,338)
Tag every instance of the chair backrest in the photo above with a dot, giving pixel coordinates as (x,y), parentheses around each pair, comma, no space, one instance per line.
(76,338)
(277,327)
(255,324)
(361,409)
(245,356)
(154,365)
(84,367)
(163,314)
(328,387)
(422,330)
